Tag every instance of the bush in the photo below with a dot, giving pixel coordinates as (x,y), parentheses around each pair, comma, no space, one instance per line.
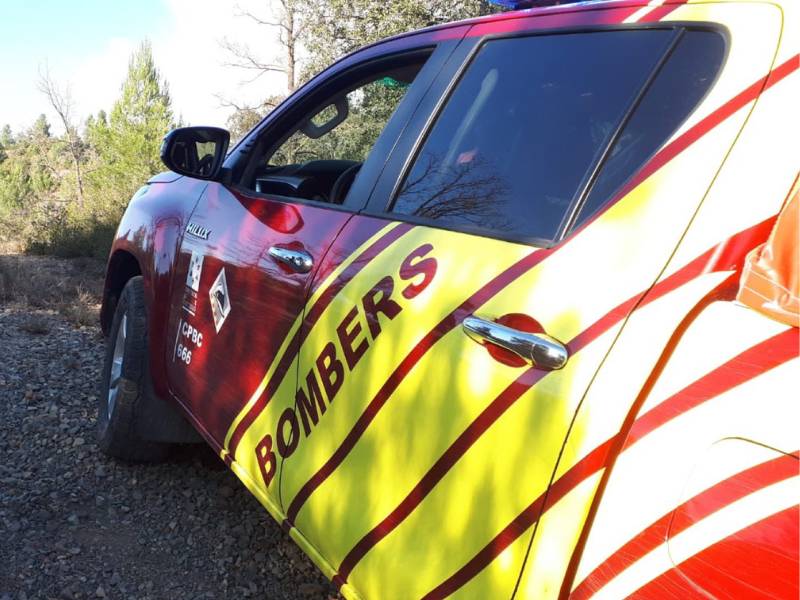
(60,230)
(48,205)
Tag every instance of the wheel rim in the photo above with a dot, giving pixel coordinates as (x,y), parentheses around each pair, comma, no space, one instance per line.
(116,365)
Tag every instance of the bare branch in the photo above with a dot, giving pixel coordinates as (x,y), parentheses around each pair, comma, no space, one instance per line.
(258,20)
(61,101)
(267,104)
(287,18)
(248,62)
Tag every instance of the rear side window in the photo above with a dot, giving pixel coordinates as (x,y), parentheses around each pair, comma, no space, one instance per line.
(679,87)
(521,130)
(513,152)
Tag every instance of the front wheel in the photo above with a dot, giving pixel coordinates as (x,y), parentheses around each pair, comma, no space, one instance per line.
(125,380)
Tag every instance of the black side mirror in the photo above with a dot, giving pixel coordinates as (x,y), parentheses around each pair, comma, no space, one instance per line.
(195,151)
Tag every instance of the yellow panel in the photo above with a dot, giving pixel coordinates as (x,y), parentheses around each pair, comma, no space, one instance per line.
(497,575)
(544,571)
(455,280)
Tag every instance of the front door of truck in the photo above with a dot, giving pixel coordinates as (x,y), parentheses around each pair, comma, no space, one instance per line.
(437,386)
(233,302)
(253,247)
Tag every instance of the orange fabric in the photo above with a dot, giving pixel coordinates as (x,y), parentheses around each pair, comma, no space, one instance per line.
(770,281)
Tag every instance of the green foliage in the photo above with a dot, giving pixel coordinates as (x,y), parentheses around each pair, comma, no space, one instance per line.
(370,108)
(41,128)
(127,142)
(40,205)
(29,170)
(119,151)
(336,27)
(6,136)
(241,121)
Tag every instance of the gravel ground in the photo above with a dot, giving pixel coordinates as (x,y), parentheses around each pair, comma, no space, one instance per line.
(76,524)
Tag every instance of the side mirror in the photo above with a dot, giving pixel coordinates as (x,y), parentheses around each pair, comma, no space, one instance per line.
(195,151)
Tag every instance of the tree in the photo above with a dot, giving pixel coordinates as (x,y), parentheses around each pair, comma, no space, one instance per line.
(337,27)
(127,142)
(6,136)
(287,19)
(35,154)
(40,128)
(242,120)
(61,101)
(30,171)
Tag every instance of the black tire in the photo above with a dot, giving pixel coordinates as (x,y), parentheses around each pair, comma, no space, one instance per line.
(116,432)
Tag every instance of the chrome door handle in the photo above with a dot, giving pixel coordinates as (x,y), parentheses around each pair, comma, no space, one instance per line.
(299,261)
(538,349)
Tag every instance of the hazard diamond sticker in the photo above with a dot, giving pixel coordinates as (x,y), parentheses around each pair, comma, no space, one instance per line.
(220,302)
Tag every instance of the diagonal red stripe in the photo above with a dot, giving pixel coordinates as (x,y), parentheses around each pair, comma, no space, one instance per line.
(758,561)
(744,367)
(701,128)
(590,465)
(707,502)
(660,12)
(523,383)
(309,320)
(452,320)
(585,468)
(440,468)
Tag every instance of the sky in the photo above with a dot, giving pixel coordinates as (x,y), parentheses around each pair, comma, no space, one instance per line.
(86,46)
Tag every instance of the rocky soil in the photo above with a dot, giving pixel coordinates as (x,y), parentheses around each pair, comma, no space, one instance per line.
(77,524)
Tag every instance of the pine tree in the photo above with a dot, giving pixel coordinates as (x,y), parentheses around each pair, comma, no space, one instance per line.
(40,128)
(6,136)
(127,142)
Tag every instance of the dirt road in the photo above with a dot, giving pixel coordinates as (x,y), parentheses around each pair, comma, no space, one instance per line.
(76,524)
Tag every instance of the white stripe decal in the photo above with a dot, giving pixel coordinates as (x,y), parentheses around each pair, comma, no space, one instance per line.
(704,534)
(634,18)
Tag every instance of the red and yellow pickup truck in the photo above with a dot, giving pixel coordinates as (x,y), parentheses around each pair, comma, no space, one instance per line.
(499,308)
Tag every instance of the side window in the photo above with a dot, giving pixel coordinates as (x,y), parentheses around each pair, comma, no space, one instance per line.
(320,155)
(364,113)
(677,90)
(514,145)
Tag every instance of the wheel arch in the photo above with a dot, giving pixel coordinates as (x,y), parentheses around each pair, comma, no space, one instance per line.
(122,266)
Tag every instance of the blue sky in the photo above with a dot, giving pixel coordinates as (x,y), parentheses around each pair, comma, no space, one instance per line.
(70,30)
(86,45)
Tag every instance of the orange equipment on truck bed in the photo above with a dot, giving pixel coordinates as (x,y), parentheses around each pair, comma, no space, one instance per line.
(771,277)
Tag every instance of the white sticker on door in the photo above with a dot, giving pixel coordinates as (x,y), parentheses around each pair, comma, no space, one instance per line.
(220,302)
(193,283)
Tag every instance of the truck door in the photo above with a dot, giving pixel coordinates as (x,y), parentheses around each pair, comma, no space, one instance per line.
(253,246)
(520,221)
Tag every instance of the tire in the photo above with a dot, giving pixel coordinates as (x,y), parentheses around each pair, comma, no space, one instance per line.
(125,381)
